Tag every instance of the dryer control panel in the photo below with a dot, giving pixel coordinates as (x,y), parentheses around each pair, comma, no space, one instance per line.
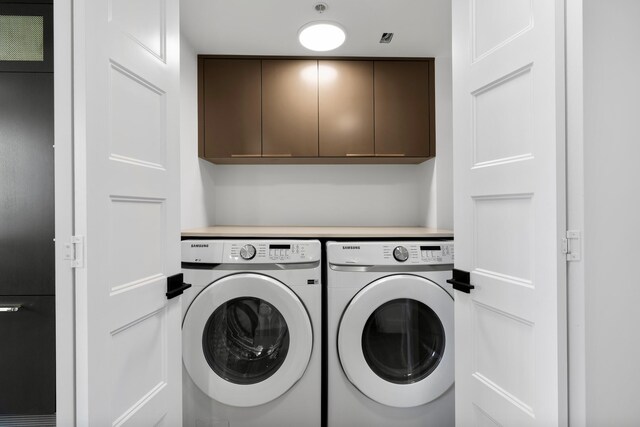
(391,253)
(250,251)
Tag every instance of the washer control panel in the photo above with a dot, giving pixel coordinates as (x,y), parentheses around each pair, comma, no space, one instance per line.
(391,253)
(250,251)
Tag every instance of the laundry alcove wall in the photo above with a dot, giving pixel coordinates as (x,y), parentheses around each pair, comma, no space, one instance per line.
(331,195)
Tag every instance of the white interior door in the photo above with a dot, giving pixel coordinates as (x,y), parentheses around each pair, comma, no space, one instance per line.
(508,101)
(126,82)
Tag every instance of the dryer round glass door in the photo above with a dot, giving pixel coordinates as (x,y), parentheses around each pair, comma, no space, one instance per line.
(247,339)
(395,341)
(403,341)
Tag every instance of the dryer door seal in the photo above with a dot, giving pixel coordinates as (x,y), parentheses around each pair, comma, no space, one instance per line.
(247,339)
(395,341)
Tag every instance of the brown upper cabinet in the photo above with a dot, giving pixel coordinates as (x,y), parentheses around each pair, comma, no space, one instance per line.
(320,110)
(345,103)
(402,108)
(231,108)
(289,108)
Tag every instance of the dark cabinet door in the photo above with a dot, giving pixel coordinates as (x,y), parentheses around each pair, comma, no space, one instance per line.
(26,184)
(345,101)
(27,357)
(289,108)
(232,116)
(402,108)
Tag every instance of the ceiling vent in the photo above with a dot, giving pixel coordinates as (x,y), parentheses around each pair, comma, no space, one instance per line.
(386,37)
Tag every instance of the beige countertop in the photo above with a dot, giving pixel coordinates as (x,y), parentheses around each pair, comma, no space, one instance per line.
(317,232)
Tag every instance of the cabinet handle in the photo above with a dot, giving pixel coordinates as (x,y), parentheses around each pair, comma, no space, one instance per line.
(391,155)
(277,155)
(9,308)
(246,155)
(360,155)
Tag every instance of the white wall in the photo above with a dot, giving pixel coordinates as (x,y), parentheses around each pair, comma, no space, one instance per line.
(612,210)
(197,185)
(318,194)
(437,175)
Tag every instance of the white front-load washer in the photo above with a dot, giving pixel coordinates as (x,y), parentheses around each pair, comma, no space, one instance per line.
(251,333)
(390,325)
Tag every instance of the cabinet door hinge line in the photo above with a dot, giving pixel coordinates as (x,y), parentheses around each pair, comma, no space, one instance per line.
(572,245)
(74,251)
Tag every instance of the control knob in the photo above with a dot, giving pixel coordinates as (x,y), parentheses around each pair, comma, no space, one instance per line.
(400,253)
(247,252)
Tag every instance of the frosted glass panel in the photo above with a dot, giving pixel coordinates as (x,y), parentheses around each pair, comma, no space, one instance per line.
(21,38)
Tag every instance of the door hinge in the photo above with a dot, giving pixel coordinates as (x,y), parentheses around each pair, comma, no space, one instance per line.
(572,245)
(74,251)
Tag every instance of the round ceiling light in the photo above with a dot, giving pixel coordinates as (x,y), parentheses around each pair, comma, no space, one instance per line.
(321,36)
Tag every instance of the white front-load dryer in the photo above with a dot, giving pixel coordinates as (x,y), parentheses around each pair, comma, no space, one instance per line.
(391,338)
(251,333)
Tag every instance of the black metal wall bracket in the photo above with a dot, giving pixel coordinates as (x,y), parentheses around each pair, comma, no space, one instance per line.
(175,286)
(461,281)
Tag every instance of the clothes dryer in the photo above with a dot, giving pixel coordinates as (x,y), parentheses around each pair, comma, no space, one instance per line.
(391,337)
(251,333)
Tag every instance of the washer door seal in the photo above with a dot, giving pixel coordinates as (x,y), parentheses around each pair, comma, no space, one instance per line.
(258,330)
(396,343)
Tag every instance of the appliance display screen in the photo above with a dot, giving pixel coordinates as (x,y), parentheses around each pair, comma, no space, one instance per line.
(430,248)
(279,246)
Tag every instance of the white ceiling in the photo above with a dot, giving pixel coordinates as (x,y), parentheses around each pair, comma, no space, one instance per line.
(270,27)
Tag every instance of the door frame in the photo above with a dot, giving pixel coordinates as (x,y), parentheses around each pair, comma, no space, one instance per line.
(64,200)
(65,284)
(576,298)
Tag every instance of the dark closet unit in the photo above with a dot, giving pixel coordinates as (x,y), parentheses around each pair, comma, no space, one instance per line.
(27,255)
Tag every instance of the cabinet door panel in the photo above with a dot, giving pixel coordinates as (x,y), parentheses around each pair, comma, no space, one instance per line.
(27,264)
(290,108)
(232,117)
(345,102)
(402,116)
(27,358)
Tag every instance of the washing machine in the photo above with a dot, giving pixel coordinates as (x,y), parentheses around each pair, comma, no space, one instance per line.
(391,338)
(251,333)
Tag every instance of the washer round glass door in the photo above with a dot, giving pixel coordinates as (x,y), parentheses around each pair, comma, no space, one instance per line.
(247,339)
(395,341)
